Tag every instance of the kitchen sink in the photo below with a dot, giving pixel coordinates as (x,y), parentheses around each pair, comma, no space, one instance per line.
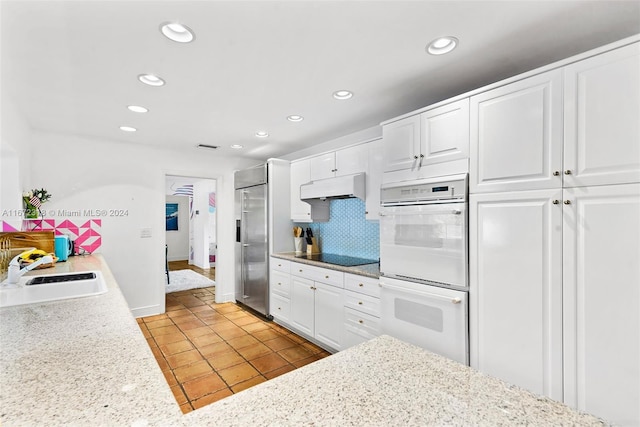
(52,287)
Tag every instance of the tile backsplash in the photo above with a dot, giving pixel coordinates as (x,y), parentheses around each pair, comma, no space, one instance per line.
(348,232)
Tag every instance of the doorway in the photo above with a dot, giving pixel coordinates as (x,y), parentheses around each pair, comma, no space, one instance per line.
(191,224)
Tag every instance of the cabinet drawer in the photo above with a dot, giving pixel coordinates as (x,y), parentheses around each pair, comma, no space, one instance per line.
(362,284)
(317,274)
(280,283)
(280,264)
(280,307)
(361,323)
(363,303)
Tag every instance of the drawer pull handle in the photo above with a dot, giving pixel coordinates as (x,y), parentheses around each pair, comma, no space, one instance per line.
(360,321)
(300,270)
(326,277)
(359,302)
(361,284)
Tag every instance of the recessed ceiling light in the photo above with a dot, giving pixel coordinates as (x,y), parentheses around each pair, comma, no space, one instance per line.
(342,94)
(127,129)
(442,45)
(177,32)
(137,109)
(262,134)
(295,118)
(150,79)
(236,146)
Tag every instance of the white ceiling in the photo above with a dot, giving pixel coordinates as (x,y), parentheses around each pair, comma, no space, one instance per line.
(70,66)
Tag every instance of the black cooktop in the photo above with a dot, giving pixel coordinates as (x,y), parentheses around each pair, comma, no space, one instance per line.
(343,260)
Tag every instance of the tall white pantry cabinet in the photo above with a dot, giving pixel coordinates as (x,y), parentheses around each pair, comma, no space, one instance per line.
(555,241)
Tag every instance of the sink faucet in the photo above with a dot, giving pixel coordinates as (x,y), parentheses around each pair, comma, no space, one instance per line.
(14,268)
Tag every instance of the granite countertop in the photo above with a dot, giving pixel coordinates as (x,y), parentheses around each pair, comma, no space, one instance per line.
(368,270)
(86,362)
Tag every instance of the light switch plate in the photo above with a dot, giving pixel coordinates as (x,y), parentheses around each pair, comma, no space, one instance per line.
(145,233)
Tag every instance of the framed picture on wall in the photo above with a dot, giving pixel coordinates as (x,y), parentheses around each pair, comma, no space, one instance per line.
(172,217)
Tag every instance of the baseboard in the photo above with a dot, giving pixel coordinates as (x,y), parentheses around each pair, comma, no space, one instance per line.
(150,310)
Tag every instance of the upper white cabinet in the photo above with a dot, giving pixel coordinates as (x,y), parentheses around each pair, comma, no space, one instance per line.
(346,161)
(401,141)
(574,126)
(601,301)
(301,211)
(602,119)
(516,135)
(434,136)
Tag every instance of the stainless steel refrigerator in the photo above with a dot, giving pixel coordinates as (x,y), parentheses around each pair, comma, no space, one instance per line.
(252,238)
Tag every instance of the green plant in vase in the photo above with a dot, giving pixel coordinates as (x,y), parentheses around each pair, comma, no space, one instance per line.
(33,200)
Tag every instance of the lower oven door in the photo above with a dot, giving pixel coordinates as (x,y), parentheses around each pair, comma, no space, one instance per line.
(428,316)
(425,242)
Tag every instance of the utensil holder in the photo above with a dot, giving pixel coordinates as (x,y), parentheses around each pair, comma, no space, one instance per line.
(297,242)
(313,247)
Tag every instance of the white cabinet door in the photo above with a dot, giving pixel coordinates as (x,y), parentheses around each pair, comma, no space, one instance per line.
(401,144)
(322,166)
(516,288)
(352,160)
(329,306)
(301,312)
(300,211)
(280,307)
(445,133)
(602,119)
(373,180)
(516,135)
(602,301)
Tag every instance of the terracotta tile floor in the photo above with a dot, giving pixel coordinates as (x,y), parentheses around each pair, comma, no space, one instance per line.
(208,351)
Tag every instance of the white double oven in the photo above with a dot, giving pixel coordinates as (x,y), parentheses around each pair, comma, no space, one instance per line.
(424,263)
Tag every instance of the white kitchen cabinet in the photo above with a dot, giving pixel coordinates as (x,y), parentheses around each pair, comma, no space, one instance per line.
(444,133)
(328,314)
(516,288)
(516,135)
(569,127)
(317,301)
(373,180)
(435,136)
(280,289)
(555,294)
(601,278)
(280,308)
(401,143)
(302,211)
(302,305)
(602,119)
(322,166)
(359,327)
(361,309)
(346,161)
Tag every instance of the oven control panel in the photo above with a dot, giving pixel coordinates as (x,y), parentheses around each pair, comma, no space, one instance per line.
(453,187)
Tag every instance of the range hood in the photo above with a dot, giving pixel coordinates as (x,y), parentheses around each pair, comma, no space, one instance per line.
(340,187)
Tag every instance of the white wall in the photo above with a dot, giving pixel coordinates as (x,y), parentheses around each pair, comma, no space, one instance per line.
(101,174)
(178,241)
(15,150)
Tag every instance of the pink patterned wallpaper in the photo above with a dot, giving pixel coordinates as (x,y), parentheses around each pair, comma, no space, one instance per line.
(85,233)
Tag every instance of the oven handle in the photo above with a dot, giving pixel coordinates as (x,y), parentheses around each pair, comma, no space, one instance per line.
(426,294)
(423,202)
(410,213)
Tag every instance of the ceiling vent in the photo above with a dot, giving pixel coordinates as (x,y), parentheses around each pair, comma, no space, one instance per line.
(213,147)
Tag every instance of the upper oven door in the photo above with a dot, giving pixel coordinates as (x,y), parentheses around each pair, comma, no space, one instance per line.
(425,243)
